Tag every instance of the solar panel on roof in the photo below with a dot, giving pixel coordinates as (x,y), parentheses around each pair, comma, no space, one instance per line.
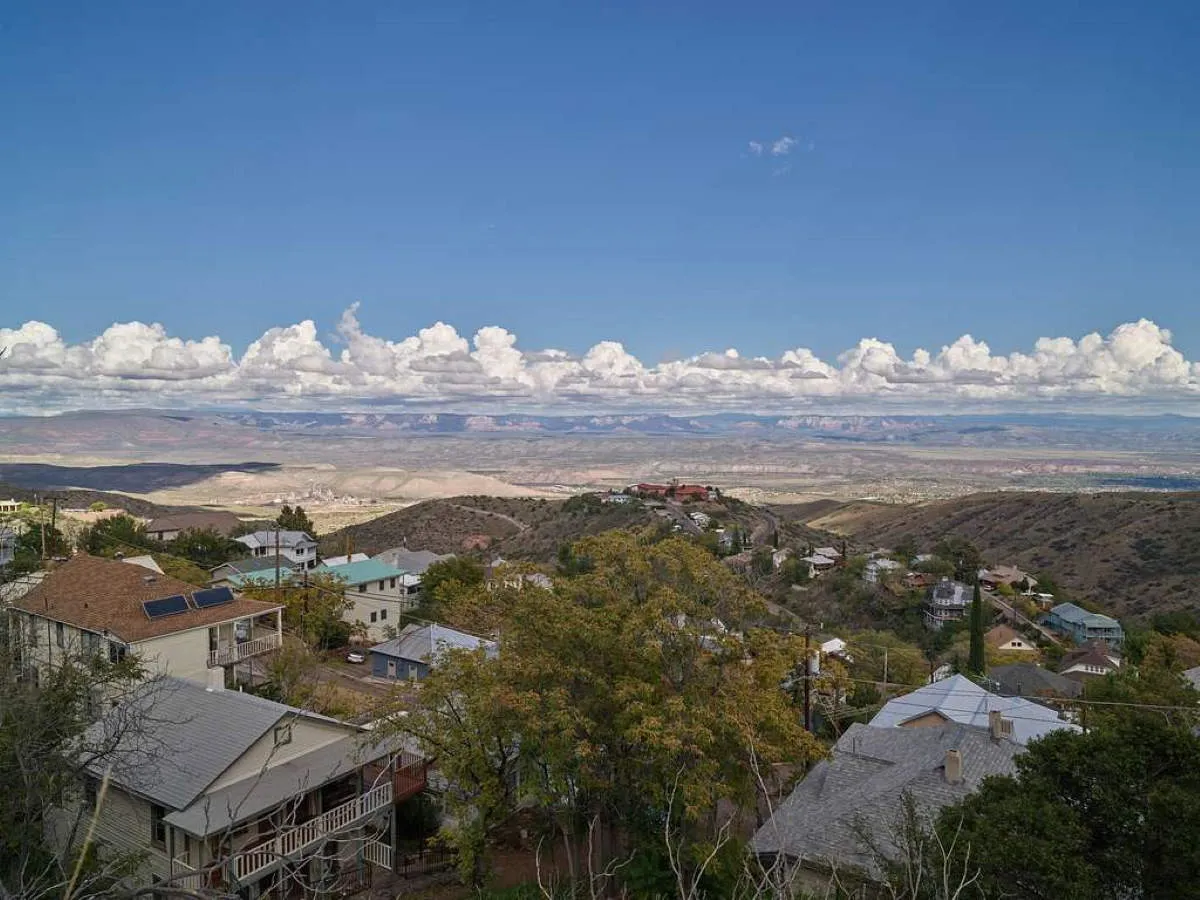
(166,606)
(212,597)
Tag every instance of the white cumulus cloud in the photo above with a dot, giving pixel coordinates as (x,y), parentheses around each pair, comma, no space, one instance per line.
(293,366)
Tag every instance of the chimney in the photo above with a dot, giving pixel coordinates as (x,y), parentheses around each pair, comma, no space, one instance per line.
(954,767)
(1000,727)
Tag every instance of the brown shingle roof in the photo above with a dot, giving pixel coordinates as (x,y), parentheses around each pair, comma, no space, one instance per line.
(222,522)
(98,594)
(1002,634)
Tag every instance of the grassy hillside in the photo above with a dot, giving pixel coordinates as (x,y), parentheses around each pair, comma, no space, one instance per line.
(1129,553)
(519,528)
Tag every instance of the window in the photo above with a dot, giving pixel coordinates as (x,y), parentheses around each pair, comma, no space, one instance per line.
(362,588)
(59,638)
(374,616)
(283,734)
(158,828)
(116,652)
(382,615)
(381,585)
(393,584)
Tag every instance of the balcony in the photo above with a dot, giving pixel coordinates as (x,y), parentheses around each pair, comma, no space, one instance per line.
(378,853)
(236,653)
(186,878)
(250,864)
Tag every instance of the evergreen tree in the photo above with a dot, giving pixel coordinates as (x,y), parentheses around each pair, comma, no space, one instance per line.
(295,520)
(976,663)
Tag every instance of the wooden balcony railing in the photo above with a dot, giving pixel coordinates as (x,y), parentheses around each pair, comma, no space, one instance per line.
(249,864)
(378,853)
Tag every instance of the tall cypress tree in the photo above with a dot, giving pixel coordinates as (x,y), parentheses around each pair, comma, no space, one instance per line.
(977,662)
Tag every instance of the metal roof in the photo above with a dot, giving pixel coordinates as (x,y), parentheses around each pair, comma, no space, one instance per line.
(1069,612)
(363,571)
(424,643)
(173,738)
(414,562)
(958,699)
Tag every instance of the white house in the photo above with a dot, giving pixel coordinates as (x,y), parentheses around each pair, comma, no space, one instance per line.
(1005,639)
(876,569)
(91,605)
(701,519)
(295,546)
(225,791)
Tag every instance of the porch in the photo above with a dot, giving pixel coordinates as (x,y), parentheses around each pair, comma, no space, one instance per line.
(233,642)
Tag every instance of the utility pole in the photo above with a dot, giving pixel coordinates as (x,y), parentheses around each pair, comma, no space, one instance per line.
(53,513)
(42,524)
(885,674)
(276,562)
(808,673)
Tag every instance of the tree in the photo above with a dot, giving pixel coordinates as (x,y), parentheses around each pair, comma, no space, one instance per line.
(98,506)
(117,534)
(297,519)
(977,662)
(962,554)
(634,700)
(206,547)
(27,554)
(449,575)
(1111,814)
(46,747)
(315,607)
(1155,680)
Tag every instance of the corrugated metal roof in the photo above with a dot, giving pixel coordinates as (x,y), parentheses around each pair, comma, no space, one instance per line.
(958,699)
(362,571)
(174,737)
(423,643)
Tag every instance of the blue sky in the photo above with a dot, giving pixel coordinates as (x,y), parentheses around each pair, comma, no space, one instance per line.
(576,174)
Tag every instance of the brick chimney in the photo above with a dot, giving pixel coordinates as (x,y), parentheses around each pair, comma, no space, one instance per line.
(1000,727)
(954,767)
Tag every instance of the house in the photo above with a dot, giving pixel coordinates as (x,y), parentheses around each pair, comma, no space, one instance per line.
(416,650)
(167,528)
(779,557)
(701,519)
(948,601)
(828,553)
(8,545)
(836,647)
(1007,575)
(645,489)
(818,563)
(342,560)
(686,492)
(1091,660)
(876,569)
(220,575)
(1028,680)
(413,562)
(1081,626)
(958,699)
(379,593)
(1005,639)
(919,581)
(225,791)
(295,546)
(850,804)
(615,497)
(8,507)
(92,605)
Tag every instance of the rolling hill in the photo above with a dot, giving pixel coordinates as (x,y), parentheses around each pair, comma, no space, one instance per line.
(519,528)
(1132,554)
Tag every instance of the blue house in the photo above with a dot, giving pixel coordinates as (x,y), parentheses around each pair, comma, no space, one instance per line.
(417,649)
(1082,626)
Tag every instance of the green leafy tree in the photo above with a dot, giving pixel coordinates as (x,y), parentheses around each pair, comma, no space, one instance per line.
(314,608)
(295,519)
(448,576)
(977,661)
(632,709)
(117,534)
(1111,814)
(962,554)
(27,553)
(206,547)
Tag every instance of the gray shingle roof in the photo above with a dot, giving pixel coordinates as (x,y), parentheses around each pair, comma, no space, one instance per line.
(958,699)
(1028,680)
(859,791)
(184,736)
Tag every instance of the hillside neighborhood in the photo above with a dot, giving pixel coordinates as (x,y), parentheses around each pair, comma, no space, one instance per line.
(322,673)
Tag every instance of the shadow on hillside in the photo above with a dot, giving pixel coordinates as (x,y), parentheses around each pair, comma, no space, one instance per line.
(139,478)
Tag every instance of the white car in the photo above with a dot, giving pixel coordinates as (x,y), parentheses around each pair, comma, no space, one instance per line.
(356,656)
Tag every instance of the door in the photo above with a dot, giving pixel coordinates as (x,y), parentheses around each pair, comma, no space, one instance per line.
(391,668)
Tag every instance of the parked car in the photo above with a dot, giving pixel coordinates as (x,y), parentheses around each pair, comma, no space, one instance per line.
(356,656)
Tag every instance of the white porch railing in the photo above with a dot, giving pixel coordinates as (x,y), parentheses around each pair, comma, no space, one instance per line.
(248,864)
(378,853)
(185,877)
(235,653)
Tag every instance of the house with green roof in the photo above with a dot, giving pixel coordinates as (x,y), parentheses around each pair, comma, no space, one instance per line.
(379,592)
